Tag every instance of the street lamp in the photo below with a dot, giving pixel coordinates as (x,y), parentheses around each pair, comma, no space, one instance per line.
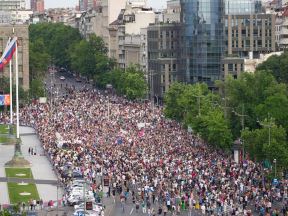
(109,87)
(269,125)
(199,96)
(275,166)
(57,197)
(242,116)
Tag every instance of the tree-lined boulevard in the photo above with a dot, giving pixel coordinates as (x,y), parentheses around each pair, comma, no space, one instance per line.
(175,159)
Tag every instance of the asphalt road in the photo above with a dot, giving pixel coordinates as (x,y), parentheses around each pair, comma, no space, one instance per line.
(58,87)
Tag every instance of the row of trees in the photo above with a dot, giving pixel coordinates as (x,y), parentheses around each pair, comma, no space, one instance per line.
(60,45)
(252,107)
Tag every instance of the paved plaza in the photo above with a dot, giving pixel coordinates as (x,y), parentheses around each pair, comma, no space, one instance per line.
(40,166)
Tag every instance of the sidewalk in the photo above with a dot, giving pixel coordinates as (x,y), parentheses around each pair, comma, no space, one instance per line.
(40,166)
(6,152)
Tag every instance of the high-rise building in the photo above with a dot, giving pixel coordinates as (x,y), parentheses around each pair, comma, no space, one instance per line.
(165,64)
(97,21)
(248,34)
(220,34)
(37,5)
(85,5)
(203,34)
(10,5)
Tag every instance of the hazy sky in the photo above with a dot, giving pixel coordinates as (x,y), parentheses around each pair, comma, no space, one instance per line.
(71,3)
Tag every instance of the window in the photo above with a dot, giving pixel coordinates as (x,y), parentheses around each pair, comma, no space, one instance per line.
(230,67)
(174,66)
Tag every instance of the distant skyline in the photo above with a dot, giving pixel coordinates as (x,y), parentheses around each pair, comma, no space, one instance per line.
(72,3)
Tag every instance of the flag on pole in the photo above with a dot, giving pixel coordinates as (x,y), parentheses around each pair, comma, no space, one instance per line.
(8,52)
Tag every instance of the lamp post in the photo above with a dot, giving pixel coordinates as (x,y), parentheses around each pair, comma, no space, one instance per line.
(199,96)
(242,116)
(236,148)
(275,167)
(269,125)
(84,196)
(109,87)
(57,197)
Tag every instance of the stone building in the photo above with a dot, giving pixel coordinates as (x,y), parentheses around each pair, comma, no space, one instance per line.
(21,31)
(165,57)
(125,33)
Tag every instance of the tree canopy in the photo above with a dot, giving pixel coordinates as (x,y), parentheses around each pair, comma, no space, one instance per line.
(130,82)
(240,108)
(196,106)
(60,45)
(277,66)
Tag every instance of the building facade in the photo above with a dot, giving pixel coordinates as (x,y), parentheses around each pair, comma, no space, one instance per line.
(21,31)
(165,62)
(248,34)
(203,34)
(10,5)
(173,11)
(37,6)
(247,37)
(98,19)
(221,34)
(282,30)
(125,33)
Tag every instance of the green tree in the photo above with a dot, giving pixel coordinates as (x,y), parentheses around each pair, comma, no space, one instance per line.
(39,59)
(277,66)
(89,58)
(172,104)
(256,94)
(57,38)
(214,128)
(130,82)
(36,89)
(134,84)
(196,106)
(259,148)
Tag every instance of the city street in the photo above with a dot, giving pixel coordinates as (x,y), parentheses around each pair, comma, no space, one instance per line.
(59,87)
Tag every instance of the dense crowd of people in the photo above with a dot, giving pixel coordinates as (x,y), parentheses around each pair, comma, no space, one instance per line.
(149,158)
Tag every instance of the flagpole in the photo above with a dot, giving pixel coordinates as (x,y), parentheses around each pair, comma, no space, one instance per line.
(17,93)
(11,83)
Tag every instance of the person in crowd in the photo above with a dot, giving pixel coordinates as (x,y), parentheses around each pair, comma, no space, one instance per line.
(142,153)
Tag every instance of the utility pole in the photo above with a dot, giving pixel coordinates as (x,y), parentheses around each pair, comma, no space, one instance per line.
(199,96)
(84,196)
(242,116)
(57,198)
(269,125)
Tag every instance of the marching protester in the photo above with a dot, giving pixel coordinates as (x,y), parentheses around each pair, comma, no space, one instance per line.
(149,159)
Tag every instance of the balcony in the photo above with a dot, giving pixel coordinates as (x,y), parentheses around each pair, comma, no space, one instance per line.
(284,31)
(284,41)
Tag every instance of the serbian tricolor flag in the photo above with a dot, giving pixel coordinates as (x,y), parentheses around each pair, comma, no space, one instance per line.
(8,52)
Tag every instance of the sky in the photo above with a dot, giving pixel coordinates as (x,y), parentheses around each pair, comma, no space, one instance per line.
(71,3)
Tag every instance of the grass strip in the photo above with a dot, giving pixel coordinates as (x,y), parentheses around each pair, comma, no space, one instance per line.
(23,173)
(4,129)
(29,191)
(15,191)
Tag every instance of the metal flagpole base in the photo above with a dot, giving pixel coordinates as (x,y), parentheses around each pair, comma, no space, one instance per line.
(18,159)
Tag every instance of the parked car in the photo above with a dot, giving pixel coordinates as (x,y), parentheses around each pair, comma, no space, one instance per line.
(76,197)
(80,212)
(62,78)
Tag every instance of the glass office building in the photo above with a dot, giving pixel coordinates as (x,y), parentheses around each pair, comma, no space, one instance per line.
(204,35)
(203,39)
(242,7)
